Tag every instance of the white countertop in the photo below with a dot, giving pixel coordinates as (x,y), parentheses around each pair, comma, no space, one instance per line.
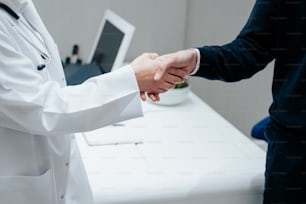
(189,155)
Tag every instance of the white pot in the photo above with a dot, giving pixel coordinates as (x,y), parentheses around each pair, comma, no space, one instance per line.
(174,96)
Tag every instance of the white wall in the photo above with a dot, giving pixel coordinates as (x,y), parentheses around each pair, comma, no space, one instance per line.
(217,22)
(160,24)
(167,25)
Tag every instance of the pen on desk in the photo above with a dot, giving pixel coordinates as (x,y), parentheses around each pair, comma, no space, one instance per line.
(118,125)
(120,143)
(128,142)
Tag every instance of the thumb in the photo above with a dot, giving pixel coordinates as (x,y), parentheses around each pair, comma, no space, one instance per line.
(164,64)
(159,73)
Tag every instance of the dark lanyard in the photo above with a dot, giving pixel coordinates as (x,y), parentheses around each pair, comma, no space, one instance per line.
(9,11)
(14,15)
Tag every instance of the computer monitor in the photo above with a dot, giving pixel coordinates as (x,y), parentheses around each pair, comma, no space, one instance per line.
(108,50)
(111,43)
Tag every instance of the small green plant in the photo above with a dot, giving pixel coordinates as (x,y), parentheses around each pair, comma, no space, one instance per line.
(182,85)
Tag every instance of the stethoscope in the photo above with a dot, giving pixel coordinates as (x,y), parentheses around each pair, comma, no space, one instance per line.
(43,54)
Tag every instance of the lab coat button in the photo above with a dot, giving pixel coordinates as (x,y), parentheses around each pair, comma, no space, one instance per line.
(41,67)
(62,197)
(67,163)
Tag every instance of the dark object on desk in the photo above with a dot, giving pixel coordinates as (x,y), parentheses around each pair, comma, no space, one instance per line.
(75,54)
(259,128)
(76,74)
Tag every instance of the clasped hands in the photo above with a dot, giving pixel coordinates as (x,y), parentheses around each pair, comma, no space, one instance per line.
(157,74)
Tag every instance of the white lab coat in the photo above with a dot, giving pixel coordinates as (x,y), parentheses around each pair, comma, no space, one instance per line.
(39,159)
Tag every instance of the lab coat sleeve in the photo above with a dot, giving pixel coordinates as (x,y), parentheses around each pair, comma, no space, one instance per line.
(31,104)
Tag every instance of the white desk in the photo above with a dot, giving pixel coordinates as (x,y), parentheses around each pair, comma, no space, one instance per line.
(190,155)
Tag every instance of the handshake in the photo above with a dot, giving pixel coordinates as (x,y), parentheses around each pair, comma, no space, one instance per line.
(157,74)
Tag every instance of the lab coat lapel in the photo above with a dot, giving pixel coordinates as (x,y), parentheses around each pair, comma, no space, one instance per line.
(15,5)
(31,15)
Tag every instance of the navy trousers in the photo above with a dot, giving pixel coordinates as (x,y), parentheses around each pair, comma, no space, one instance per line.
(285,176)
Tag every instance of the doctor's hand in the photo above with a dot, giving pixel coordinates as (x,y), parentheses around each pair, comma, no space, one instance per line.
(184,59)
(145,68)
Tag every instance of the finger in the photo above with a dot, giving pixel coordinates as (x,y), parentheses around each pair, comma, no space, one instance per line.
(167,85)
(153,97)
(157,97)
(143,96)
(183,81)
(161,69)
(182,73)
(162,87)
(162,90)
(172,79)
(175,79)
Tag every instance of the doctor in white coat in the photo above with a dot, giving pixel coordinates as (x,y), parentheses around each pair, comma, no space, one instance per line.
(39,159)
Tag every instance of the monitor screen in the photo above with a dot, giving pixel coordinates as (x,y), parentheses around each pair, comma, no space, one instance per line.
(112,42)
(108,50)
(108,47)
